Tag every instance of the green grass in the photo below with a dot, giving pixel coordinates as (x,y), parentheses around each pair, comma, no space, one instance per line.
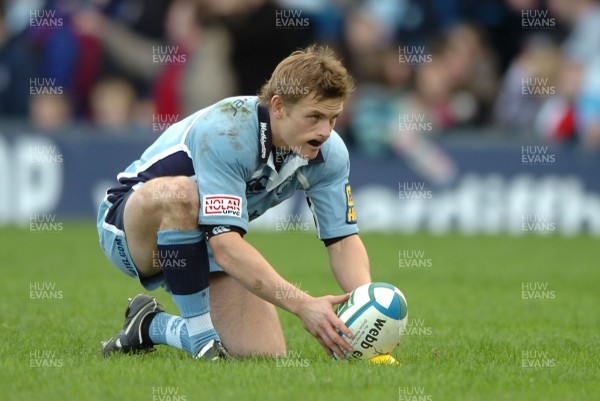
(475,326)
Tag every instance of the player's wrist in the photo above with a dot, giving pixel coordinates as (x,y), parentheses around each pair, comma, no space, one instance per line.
(297,304)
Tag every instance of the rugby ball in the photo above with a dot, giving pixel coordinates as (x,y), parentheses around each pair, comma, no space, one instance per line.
(376,313)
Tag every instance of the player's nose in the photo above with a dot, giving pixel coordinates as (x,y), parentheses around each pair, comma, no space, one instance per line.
(325,132)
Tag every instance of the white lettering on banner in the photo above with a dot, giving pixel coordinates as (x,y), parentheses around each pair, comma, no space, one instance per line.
(39,184)
(31,178)
(484,204)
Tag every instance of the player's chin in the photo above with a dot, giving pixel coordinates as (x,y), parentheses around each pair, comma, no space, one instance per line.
(309,152)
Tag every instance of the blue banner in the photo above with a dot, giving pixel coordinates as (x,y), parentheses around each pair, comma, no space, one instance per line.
(464,184)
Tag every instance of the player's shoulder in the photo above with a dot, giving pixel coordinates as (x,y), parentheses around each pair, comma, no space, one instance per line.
(335,152)
(234,109)
(239,113)
(333,163)
(228,128)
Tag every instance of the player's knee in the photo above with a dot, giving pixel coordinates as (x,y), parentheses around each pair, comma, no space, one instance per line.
(176,198)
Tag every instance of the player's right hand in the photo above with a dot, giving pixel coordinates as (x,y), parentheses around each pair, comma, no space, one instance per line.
(319,320)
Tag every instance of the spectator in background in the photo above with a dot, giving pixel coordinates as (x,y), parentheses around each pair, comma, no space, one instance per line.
(555,120)
(423,112)
(588,105)
(527,84)
(260,38)
(455,83)
(144,19)
(373,57)
(204,75)
(187,72)
(582,53)
(472,71)
(51,113)
(17,66)
(113,102)
(58,48)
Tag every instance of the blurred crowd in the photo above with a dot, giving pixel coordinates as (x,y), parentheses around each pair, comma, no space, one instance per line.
(424,68)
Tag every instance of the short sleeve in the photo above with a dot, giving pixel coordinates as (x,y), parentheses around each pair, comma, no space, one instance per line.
(220,175)
(330,200)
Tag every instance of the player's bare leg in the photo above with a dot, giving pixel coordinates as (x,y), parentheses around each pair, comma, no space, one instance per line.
(160,204)
(247,324)
(161,228)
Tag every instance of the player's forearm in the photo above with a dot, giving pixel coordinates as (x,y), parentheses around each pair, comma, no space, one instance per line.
(349,262)
(242,261)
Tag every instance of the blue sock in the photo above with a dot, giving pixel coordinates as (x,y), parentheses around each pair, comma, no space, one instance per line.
(183,258)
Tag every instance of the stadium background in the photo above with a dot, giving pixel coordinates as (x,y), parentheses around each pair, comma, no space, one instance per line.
(474,139)
(476,116)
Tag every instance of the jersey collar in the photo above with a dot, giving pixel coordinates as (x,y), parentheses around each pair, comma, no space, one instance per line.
(265,140)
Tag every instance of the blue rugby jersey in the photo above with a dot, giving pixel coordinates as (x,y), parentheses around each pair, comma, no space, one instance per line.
(226,148)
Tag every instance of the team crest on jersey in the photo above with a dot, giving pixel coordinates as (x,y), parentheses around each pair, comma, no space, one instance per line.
(350,212)
(222,205)
(286,185)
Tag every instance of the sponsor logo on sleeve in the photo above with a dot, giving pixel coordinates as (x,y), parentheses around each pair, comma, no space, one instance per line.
(220,230)
(350,212)
(222,205)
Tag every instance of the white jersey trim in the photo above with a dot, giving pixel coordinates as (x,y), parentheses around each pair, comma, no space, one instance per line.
(153,160)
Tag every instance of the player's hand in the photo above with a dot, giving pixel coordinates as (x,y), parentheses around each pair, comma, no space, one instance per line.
(319,320)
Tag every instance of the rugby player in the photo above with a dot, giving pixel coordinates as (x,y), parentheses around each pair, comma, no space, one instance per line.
(178,217)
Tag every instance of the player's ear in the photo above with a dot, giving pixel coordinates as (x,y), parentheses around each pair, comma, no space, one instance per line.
(277,106)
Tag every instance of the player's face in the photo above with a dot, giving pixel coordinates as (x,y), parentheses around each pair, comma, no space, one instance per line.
(305,126)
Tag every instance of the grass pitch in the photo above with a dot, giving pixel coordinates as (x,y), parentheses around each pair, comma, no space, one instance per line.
(490,318)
